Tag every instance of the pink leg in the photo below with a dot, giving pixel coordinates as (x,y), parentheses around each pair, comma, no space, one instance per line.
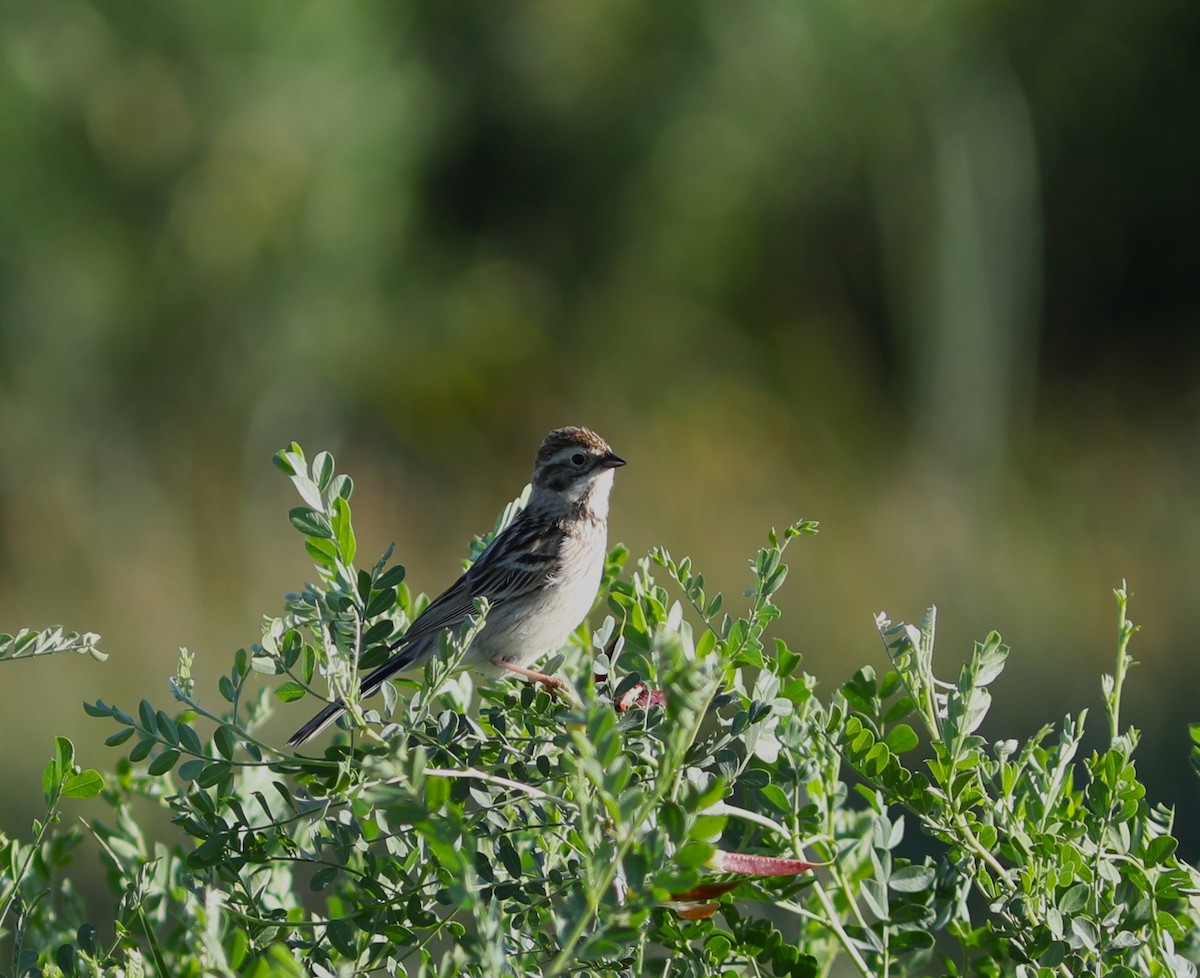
(538,677)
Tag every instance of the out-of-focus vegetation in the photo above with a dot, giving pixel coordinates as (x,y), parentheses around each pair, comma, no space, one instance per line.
(925,272)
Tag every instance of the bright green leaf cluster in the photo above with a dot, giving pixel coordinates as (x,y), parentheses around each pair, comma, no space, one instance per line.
(454,830)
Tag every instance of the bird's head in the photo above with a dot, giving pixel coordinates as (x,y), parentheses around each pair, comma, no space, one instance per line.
(575,465)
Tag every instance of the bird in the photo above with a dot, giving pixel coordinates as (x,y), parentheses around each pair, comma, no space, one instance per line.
(540,574)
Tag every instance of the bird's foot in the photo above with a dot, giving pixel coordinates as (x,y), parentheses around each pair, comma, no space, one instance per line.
(555,685)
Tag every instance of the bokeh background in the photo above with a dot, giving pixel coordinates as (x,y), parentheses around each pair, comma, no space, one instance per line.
(927,272)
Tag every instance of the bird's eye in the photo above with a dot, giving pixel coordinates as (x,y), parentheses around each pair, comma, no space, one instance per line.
(578,459)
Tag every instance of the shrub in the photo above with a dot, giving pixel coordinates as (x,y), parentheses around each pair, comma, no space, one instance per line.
(695,809)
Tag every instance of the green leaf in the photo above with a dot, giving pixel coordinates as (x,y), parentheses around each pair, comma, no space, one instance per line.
(289,691)
(1161,849)
(785,660)
(212,773)
(344,530)
(208,853)
(115,740)
(901,738)
(64,752)
(1075,899)
(900,709)
(308,490)
(981,701)
(86,784)
(991,656)
(911,940)
(391,577)
(283,458)
(912,879)
(509,857)
(310,522)
(875,896)
(693,853)
(341,935)
(341,487)
(776,798)
(322,551)
(381,602)
(707,827)
(237,944)
(166,727)
(51,779)
(265,665)
(148,716)
(437,792)
(226,689)
(611,943)
(190,739)
(718,946)
(163,763)
(322,469)
(673,821)
(225,738)
(1086,932)
(102,709)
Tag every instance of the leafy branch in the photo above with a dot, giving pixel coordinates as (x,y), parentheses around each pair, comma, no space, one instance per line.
(659,824)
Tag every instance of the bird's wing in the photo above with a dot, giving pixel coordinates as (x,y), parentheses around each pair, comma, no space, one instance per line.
(447,610)
(519,561)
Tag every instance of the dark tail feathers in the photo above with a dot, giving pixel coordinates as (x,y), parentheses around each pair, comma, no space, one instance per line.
(396,663)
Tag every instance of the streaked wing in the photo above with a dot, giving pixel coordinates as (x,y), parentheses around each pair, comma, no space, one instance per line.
(447,610)
(519,561)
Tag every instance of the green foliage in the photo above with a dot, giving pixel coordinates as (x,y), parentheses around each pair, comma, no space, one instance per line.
(502,831)
(1078,877)
(27,643)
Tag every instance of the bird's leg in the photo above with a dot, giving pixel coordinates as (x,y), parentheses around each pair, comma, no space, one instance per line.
(553,683)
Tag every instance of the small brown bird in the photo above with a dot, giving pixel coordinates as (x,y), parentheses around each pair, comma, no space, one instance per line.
(540,574)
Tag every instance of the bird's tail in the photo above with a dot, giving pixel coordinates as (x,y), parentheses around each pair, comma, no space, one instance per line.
(317,724)
(369,686)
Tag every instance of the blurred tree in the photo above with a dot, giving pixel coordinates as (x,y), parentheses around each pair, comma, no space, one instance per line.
(877,259)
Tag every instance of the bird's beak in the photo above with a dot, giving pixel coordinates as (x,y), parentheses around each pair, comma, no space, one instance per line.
(611,461)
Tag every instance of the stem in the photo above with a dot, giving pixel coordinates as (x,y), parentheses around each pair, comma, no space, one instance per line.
(669,778)
(151,941)
(830,773)
(832,919)
(799,910)
(981,850)
(470,772)
(10,898)
(242,733)
(732,811)
(847,891)
(1125,630)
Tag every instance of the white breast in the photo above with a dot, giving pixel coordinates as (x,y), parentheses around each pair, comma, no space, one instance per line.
(525,631)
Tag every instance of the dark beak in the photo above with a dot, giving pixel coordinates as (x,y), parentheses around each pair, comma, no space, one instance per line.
(611,461)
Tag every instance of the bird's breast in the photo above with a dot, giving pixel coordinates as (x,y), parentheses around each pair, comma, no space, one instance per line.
(527,630)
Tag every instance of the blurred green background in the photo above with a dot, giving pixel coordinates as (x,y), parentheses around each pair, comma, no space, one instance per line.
(926,272)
